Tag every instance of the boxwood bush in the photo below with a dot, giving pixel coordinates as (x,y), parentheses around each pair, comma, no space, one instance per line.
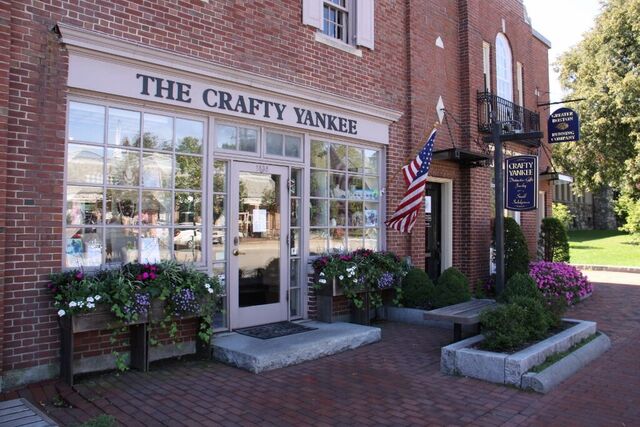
(554,242)
(452,287)
(417,289)
(520,285)
(516,252)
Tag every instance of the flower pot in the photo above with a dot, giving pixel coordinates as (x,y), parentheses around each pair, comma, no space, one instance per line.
(100,318)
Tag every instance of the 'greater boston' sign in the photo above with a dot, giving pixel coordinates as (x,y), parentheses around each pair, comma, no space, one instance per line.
(521,181)
(563,126)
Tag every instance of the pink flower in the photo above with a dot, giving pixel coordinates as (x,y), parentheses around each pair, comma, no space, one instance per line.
(145,275)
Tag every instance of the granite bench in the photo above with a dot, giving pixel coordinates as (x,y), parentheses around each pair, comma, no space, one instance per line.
(465,313)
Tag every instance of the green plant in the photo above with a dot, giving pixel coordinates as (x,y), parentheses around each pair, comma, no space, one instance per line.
(562,213)
(516,252)
(632,220)
(520,285)
(417,289)
(452,287)
(102,420)
(554,241)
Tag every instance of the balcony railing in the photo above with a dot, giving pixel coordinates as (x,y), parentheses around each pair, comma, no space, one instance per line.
(517,119)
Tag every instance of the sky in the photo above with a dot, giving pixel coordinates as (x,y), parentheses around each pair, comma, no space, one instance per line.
(562,22)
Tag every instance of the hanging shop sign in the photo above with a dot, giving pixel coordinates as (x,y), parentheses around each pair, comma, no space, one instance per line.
(521,183)
(146,83)
(563,126)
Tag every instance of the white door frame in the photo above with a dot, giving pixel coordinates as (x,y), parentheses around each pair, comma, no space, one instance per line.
(446,222)
(267,313)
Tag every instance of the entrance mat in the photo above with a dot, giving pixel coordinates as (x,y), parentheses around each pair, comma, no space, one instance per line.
(274,330)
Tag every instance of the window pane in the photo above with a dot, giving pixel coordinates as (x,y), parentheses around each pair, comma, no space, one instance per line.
(318,184)
(189,172)
(248,140)
(84,205)
(156,170)
(356,160)
(338,214)
(338,241)
(371,239)
(85,164)
(158,132)
(338,186)
(296,218)
(294,300)
(370,214)
(123,167)
(219,243)
(292,146)
(318,212)
(318,242)
(156,207)
(296,177)
(355,187)
(219,219)
(338,156)
(226,137)
(189,136)
(188,208)
(294,275)
(294,242)
(371,190)
(356,215)
(124,127)
(319,158)
(122,207)
(219,176)
(371,161)
(86,122)
(355,238)
(274,143)
(187,244)
(121,245)
(83,247)
(154,245)
(220,318)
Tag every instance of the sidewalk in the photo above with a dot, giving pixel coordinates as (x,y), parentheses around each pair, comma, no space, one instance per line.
(394,382)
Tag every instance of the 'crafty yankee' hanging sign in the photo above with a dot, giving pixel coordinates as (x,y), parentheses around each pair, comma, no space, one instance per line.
(145,83)
(563,126)
(521,183)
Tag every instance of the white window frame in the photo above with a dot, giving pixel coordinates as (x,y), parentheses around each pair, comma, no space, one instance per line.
(348,9)
(284,133)
(237,151)
(486,65)
(504,68)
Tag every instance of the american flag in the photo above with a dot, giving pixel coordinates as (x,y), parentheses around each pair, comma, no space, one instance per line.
(415,175)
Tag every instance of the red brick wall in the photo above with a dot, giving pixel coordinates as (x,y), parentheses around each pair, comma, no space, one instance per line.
(405,72)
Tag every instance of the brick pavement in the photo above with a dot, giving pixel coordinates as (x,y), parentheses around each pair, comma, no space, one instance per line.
(394,382)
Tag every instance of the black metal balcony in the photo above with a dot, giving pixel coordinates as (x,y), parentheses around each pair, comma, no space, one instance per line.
(517,119)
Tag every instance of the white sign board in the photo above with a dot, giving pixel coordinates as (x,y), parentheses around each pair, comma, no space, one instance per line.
(150,250)
(259,220)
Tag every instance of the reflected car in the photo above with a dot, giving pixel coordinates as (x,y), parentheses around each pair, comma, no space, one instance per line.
(187,239)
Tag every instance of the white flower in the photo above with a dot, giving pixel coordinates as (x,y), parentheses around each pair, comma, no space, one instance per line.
(97,297)
(61,312)
(208,286)
(210,290)
(341,277)
(80,304)
(72,304)
(322,281)
(322,273)
(90,299)
(90,305)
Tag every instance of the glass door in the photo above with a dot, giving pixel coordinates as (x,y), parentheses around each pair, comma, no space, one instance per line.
(258,237)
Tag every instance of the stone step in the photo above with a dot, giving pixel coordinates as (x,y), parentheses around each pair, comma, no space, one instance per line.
(257,355)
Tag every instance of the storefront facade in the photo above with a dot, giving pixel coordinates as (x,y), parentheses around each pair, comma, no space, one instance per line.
(139,134)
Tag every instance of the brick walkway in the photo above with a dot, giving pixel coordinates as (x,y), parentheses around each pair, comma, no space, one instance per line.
(394,382)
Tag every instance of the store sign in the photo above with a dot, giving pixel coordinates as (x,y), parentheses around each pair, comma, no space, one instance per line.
(521,183)
(563,126)
(133,81)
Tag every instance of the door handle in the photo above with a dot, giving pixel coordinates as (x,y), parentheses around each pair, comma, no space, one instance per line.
(237,252)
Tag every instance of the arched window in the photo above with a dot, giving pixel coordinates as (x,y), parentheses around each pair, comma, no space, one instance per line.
(504,68)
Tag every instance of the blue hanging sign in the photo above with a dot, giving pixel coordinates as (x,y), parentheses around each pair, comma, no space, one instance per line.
(521,179)
(563,126)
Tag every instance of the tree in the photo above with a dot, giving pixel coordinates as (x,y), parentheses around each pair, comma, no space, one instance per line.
(604,69)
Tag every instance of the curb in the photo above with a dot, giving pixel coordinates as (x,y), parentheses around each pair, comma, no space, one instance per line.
(612,268)
(544,381)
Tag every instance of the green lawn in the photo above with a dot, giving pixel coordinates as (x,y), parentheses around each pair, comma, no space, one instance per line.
(603,247)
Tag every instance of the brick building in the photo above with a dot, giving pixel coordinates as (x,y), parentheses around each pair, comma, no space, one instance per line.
(206,130)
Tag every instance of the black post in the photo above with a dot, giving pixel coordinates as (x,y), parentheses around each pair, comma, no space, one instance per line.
(499,190)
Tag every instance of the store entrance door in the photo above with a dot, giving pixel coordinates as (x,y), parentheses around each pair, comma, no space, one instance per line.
(433,219)
(258,261)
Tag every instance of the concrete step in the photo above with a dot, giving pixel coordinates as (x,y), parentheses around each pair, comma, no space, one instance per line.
(257,355)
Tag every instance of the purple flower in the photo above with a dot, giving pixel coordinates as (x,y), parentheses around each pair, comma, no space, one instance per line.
(79,275)
(387,280)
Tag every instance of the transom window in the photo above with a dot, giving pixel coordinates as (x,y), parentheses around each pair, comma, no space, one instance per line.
(345,198)
(336,19)
(134,186)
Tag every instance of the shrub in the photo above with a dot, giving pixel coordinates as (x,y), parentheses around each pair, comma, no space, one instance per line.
(520,285)
(632,221)
(522,320)
(562,213)
(558,280)
(452,287)
(417,289)
(554,241)
(516,252)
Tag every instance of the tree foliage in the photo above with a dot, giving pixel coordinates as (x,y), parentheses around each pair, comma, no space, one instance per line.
(604,69)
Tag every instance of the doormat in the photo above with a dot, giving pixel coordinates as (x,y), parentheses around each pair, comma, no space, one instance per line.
(274,330)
